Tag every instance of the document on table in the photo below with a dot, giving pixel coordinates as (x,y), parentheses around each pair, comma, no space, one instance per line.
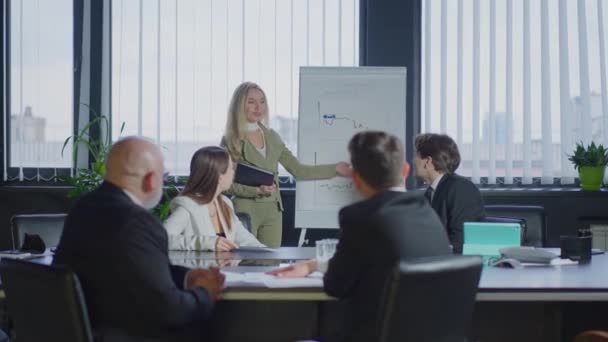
(270,281)
(254,249)
(14,254)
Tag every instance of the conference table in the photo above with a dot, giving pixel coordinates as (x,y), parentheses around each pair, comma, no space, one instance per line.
(534,303)
(526,304)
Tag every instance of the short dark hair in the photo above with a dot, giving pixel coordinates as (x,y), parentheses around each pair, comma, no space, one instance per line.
(378,157)
(441,148)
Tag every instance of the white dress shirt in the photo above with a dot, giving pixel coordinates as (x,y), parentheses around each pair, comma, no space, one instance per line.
(434,185)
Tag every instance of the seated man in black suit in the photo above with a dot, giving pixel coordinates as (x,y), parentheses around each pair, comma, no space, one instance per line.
(455,198)
(388,225)
(119,252)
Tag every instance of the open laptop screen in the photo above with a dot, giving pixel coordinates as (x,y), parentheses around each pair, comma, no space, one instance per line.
(486,238)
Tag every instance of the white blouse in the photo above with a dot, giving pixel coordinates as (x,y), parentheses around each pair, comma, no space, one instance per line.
(190,227)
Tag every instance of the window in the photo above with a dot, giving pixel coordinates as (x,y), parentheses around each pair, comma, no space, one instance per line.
(39,62)
(176,63)
(516,83)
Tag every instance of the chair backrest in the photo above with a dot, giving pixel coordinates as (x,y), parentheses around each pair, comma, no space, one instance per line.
(245,220)
(47,226)
(534,217)
(46,302)
(431,299)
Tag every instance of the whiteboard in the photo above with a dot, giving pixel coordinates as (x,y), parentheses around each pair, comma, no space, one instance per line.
(335,103)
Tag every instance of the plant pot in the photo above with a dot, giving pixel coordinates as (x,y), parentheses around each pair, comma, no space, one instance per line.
(591,177)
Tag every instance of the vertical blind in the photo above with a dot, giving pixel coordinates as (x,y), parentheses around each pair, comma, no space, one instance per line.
(516,85)
(175,63)
(40,92)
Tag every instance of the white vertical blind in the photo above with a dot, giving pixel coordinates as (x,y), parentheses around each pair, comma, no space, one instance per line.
(604,88)
(158,69)
(476,81)
(508,179)
(527,89)
(177,62)
(140,63)
(492,95)
(427,69)
(530,78)
(40,63)
(584,73)
(444,64)
(547,169)
(564,86)
(459,83)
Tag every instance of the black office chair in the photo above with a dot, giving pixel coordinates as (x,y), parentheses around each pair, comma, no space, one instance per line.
(245,220)
(431,299)
(45,302)
(533,217)
(47,226)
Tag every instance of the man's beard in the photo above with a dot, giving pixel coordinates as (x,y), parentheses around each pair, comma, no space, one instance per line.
(153,202)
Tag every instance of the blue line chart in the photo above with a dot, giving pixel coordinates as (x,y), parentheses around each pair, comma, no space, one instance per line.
(330,120)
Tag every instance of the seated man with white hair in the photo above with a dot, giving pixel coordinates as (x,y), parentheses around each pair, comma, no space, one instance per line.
(119,252)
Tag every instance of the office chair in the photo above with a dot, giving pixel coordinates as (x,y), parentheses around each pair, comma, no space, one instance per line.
(48,226)
(245,220)
(532,216)
(45,302)
(431,299)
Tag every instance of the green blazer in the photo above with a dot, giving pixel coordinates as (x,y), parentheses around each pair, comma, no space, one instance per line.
(276,152)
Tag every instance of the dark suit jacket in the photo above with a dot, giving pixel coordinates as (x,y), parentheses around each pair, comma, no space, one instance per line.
(374,235)
(119,252)
(457,200)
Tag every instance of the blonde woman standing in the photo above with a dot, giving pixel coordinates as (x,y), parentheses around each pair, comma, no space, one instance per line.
(249,140)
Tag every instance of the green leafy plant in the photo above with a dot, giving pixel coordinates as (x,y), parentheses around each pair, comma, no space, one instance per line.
(163,209)
(592,155)
(87,179)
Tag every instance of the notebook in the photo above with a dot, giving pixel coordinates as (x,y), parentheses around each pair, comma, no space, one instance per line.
(487,238)
(253,176)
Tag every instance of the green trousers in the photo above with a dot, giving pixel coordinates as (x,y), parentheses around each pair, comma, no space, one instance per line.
(266,220)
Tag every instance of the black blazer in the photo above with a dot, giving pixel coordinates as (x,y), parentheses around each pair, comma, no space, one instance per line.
(374,235)
(457,200)
(119,252)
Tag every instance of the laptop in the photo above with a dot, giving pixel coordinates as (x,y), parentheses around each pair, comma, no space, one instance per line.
(487,238)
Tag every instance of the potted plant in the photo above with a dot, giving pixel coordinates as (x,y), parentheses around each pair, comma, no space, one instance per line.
(591,163)
(87,179)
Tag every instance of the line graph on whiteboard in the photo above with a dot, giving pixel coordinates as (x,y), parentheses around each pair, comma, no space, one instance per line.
(334,192)
(332,119)
(347,118)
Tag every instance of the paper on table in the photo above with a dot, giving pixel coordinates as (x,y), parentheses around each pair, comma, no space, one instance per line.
(560,261)
(554,262)
(270,281)
(254,249)
(14,254)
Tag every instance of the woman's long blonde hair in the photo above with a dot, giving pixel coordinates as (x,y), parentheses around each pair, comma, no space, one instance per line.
(236,125)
